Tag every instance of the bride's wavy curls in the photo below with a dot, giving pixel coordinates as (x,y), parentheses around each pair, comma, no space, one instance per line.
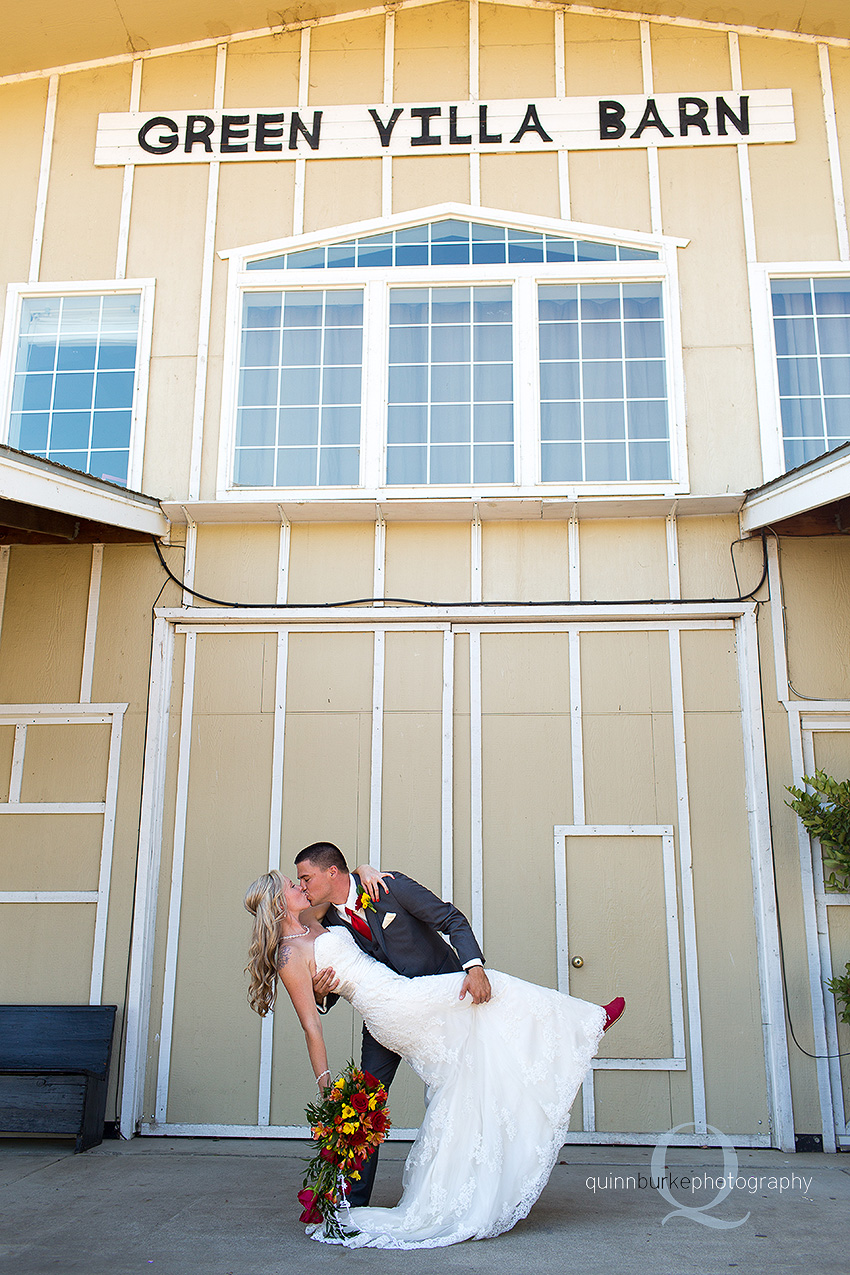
(264,900)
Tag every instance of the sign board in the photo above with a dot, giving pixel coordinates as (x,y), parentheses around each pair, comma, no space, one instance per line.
(715,118)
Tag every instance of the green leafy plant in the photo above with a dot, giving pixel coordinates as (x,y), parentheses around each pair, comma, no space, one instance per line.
(825,814)
(840,988)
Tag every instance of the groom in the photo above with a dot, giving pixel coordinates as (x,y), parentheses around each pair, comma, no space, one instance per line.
(403,929)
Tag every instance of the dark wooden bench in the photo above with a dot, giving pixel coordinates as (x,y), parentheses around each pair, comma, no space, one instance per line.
(54,1067)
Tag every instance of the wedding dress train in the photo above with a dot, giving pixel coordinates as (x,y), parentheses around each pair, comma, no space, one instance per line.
(501,1078)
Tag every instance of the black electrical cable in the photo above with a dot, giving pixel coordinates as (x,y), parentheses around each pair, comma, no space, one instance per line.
(418,602)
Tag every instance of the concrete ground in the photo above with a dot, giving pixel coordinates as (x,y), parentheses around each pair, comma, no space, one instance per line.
(228,1207)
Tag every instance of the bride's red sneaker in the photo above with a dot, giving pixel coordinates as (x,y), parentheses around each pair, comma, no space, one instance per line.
(613,1011)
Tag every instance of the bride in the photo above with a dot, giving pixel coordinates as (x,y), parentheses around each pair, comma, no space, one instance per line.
(501,1077)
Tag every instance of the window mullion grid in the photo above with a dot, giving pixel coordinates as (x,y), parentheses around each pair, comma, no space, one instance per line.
(429,365)
(819,365)
(95,373)
(526,351)
(373,391)
(580,327)
(625,383)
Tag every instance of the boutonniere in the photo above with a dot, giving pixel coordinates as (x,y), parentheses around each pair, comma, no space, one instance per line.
(364,901)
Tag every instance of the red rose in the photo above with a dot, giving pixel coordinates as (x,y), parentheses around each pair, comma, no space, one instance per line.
(371,1080)
(311,1212)
(379,1122)
(360,1102)
(328,1155)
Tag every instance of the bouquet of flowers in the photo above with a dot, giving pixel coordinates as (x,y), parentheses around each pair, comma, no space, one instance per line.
(349,1121)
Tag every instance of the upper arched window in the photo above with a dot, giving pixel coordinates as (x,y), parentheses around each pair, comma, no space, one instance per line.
(453,352)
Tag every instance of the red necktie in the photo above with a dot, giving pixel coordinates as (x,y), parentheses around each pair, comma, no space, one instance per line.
(359,924)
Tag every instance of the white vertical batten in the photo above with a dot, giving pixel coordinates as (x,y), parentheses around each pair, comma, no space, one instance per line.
(175,901)
(576,734)
(380,559)
(91,623)
(474,90)
(376,773)
(574,556)
(4,575)
(205,308)
(652,165)
(686,877)
(389,69)
(189,557)
(107,843)
(283,549)
(743,155)
(16,776)
(475,554)
(834,153)
(673,579)
(138,1001)
(768,953)
(476,789)
(43,178)
(264,1100)
(129,177)
(447,769)
(810,920)
(300,162)
(561,91)
(777,620)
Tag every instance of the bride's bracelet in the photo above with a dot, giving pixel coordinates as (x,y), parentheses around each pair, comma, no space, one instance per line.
(319,1077)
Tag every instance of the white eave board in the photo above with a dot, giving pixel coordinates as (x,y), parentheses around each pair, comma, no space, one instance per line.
(47,486)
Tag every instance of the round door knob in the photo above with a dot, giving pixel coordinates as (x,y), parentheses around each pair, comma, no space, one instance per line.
(577,962)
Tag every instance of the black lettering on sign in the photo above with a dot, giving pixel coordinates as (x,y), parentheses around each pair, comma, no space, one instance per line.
(483,135)
(268,126)
(233,126)
(531,124)
(724,113)
(425,114)
(611,116)
(456,138)
(693,118)
(199,128)
(651,119)
(385,131)
(166,142)
(311,136)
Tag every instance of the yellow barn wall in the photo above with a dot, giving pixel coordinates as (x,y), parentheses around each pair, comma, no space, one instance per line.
(21,122)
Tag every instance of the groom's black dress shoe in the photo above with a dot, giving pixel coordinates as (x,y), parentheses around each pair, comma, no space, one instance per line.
(613,1011)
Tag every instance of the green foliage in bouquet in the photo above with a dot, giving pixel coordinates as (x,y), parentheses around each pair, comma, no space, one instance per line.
(349,1121)
(825,814)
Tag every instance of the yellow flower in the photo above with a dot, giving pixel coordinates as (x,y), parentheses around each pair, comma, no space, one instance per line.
(373,1102)
(348,1113)
(339,1084)
(349,1128)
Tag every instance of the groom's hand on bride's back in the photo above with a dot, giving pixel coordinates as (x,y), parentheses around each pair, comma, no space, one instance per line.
(325,983)
(477,984)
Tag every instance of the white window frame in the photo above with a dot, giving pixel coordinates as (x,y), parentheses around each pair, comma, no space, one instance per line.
(17,293)
(764,338)
(376,281)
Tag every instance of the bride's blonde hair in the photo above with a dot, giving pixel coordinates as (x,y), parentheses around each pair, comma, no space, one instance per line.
(265,900)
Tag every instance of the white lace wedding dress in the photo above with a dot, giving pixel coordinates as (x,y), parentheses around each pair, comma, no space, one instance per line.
(500,1077)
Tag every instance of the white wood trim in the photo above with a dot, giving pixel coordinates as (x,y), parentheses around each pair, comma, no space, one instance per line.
(447,770)
(52,807)
(129,174)
(767,384)
(476,795)
(652,165)
(138,1000)
(258,33)
(190,555)
(642,1139)
(743,156)
(48,896)
(576,732)
(764,888)
(176,896)
(58,714)
(107,844)
(43,177)
(673,579)
(777,620)
(376,773)
(574,555)
(283,553)
(564,197)
(154,1129)
(300,162)
(17,773)
(834,153)
(389,76)
(618,613)
(91,624)
(4,576)
(687,885)
(380,559)
(264,1099)
(474,88)
(475,557)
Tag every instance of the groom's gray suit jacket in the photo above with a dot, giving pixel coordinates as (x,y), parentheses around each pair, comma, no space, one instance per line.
(406,923)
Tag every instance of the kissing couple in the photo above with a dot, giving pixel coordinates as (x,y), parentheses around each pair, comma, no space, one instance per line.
(502,1059)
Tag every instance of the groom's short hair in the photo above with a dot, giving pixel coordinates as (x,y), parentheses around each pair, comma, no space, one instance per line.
(324,854)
